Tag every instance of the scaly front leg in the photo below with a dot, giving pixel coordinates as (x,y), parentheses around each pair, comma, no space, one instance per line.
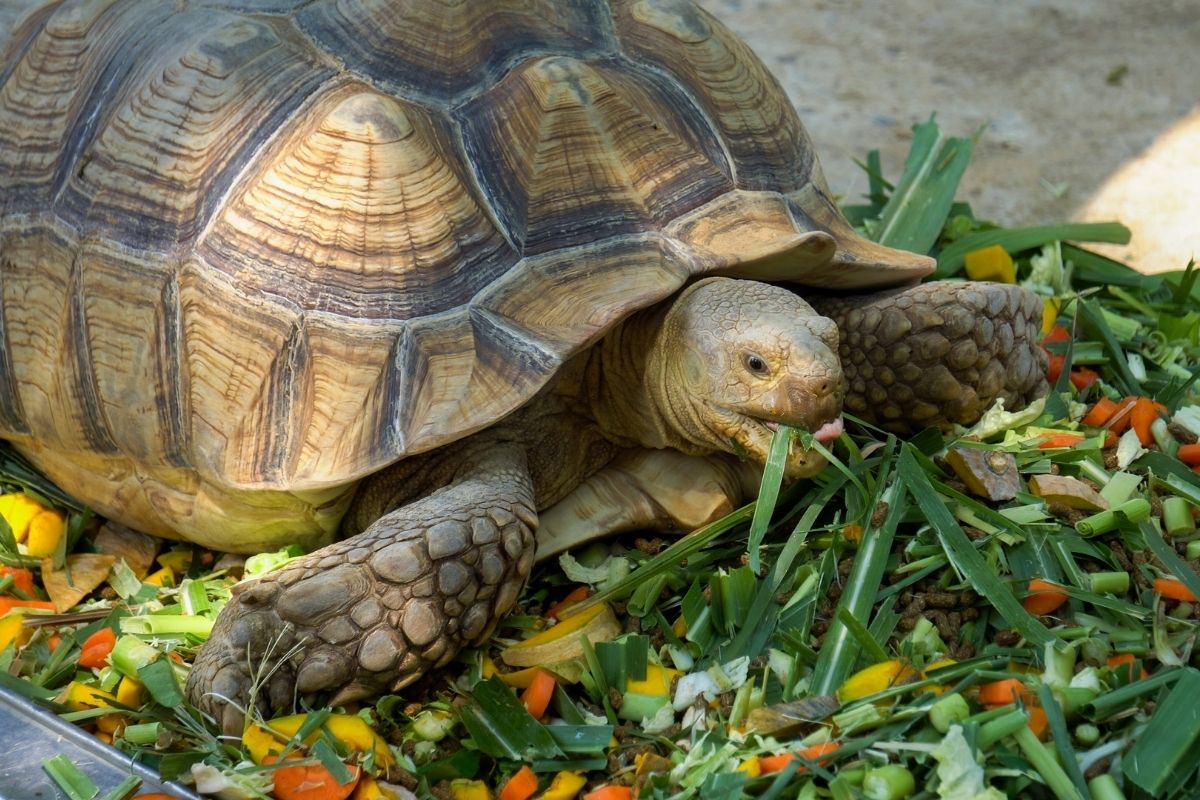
(372,613)
(938,353)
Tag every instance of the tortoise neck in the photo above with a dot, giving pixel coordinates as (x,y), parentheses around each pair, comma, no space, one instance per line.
(624,386)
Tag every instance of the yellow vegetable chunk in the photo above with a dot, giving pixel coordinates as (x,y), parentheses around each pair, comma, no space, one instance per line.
(348,729)
(657,682)
(80,697)
(874,679)
(13,630)
(751,767)
(561,643)
(1050,310)
(463,789)
(44,533)
(162,577)
(18,511)
(565,786)
(369,789)
(992,263)
(130,692)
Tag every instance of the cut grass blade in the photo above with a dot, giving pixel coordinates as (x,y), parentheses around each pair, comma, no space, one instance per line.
(963,555)
(768,492)
(1165,754)
(915,213)
(1016,240)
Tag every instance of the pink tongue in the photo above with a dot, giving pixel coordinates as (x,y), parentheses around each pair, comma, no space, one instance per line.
(829,431)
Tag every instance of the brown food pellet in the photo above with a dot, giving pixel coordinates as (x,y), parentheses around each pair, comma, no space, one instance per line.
(1006,638)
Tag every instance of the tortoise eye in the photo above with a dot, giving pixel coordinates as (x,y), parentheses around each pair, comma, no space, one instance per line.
(756,364)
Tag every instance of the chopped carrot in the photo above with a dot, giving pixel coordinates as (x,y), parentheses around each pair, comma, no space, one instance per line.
(1083,377)
(97,647)
(610,792)
(1100,413)
(577,595)
(537,696)
(1058,333)
(770,764)
(1055,367)
(1145,411)
(1002,692)
(53,641)
(520,786)
(1044,597)
(853,533)
(1061,440)
(1173,589)
(1110,440)
(1189,454)
(22,578)
(310,782)
(1119,422)
(7,604)
(1039,723)
(1125,660)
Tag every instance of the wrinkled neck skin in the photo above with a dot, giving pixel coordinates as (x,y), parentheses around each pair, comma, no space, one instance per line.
(627,391)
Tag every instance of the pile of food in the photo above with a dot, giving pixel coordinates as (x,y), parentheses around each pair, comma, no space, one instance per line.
(1009,611)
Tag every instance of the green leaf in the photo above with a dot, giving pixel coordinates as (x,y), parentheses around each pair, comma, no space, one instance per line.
(1167,751)
(159,679)
(1016,240)
(500,725)
(331,762)
(768,491)
(581,738)
(914,215)
(67,776)
(963,555)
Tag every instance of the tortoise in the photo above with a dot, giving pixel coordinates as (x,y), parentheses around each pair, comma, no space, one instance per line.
(392,279)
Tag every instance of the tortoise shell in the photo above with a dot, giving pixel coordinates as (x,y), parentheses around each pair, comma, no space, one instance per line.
(276,245)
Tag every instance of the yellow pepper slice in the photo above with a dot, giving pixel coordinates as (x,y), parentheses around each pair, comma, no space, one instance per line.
(875,678)
(992,263)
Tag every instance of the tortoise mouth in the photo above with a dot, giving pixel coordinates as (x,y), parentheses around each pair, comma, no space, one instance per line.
(752,435)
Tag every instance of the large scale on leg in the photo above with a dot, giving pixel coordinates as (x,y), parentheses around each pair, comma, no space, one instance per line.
(275,271)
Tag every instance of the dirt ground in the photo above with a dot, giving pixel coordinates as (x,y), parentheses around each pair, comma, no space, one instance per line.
(1092,107)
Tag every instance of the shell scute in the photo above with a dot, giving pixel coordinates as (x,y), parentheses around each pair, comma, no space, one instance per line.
(577,154)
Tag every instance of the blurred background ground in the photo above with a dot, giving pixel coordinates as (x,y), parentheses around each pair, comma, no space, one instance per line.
(1092,106)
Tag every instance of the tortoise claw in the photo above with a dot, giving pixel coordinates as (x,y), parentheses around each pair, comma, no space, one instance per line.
(374,611)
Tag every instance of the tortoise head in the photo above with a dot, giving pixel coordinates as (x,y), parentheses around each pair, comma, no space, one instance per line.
(735,359)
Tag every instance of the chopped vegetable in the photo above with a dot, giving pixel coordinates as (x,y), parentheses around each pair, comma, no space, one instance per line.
(520,786)
(611,792)
(576,595)
(1100,413)
(1044,597)
(1144,412)
(309,782)
(1173,589)
(96,648)
(992,263)
(537,696)
(1003,692)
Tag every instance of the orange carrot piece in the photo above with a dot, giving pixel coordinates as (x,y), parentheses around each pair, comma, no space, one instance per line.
(310,782)
(1173,589)
(1189,454)
(7,604)
(1055,367)
(1119,422)
(1002,692)
(96,648)
(1110,440)
(1083,377)
(22,578)
(1061,440)
(1125,660)
(770,764)
(520,786)
(1100,413)
(577,595)
(1142,417)
(1044,597)
(1039,723)
(610,792)
(537,696)
(1058,333)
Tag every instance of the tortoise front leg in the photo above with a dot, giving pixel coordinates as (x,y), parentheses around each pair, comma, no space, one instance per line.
(938,353)
(374,612)
(662,490)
